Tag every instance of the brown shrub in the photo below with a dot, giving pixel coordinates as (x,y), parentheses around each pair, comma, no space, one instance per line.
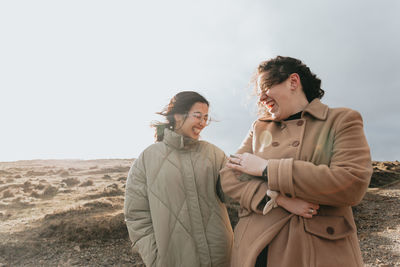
(109,191)
(40,186)
(64,174)
(87,183)
(35,194)
(50,191)
(35,173)
(27,187)
(122,179)
(7,194)
(74,227)
(98,204)
(70,181)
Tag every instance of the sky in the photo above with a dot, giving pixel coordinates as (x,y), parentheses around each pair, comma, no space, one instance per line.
(83,79)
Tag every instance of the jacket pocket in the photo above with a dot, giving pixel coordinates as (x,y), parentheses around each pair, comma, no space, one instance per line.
(329,227)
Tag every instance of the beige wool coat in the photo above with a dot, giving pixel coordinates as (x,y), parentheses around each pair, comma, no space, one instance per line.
(323,158)
(172,211)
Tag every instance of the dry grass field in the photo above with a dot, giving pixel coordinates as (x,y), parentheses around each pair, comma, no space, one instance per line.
(70,213)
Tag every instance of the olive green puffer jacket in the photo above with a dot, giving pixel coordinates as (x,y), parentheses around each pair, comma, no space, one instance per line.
(172,211)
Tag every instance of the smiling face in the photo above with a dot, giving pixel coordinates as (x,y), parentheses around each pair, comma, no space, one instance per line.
(282,99)
(277,98)
(193,123)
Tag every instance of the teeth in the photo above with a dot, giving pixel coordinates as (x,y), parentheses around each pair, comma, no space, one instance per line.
(196,130)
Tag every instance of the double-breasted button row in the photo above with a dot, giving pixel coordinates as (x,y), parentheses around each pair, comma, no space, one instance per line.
(275,143)
(295,143)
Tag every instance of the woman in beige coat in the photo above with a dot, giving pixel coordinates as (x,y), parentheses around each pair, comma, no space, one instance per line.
(299,148)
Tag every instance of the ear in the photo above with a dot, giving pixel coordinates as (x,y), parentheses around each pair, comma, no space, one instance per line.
(178,119)
(295,82)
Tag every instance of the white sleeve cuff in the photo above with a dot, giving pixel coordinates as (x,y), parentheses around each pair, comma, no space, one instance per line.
(272,202)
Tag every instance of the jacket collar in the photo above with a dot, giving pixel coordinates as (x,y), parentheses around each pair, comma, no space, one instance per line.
(315,108)
(178,141)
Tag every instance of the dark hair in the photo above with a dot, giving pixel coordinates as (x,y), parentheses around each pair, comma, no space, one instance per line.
(181,103)
(279,69)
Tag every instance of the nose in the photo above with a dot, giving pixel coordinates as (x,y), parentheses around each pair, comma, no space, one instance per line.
(202,122)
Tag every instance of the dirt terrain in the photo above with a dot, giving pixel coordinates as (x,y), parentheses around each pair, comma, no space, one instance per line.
(70,213)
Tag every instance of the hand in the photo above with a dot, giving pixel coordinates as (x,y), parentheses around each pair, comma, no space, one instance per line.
(247,163)
(298,206)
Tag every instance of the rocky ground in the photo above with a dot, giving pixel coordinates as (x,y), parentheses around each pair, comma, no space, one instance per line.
(69,213)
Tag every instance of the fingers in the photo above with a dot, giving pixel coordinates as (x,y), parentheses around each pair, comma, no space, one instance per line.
(235,160)
(306,215)
(311,211)
(234,166)
(314,206)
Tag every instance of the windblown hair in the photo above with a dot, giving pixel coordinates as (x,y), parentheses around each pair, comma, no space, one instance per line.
(279,69)
(181,103)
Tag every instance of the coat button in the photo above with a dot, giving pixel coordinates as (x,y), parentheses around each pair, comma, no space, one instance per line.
(330,230)
(295,143)
(275,143)
(300,122)
(288,195)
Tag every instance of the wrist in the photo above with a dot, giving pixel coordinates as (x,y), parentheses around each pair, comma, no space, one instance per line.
(264,173)
(280,200)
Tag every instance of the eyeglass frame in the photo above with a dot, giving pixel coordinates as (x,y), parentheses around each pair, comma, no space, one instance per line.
(198,115)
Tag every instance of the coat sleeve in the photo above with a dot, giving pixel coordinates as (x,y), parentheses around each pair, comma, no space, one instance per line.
(342,183)
(137,214)
(220,161)
(248,192)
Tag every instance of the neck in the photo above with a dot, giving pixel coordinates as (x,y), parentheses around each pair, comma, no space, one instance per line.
(300,103)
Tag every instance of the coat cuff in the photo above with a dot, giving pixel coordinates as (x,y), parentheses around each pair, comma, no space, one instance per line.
(280,176)
(253,195)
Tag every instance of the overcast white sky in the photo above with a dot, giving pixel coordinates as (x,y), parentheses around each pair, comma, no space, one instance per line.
(83,79)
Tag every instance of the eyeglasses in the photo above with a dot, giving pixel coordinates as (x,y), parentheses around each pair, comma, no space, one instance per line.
(200,116)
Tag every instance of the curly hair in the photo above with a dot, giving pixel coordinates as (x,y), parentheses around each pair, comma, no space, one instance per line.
(181,103)
(278,69)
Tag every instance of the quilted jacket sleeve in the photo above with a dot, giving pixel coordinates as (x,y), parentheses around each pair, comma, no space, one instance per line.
(220,161)
(137,213)
(248,193)
(342,183)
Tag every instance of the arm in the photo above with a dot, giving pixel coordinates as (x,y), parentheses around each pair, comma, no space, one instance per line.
(297,206)
(137,213)
(248,193)
(221,160)
(342,183)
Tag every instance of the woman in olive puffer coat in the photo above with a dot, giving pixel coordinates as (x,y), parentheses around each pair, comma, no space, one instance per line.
(173,207)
